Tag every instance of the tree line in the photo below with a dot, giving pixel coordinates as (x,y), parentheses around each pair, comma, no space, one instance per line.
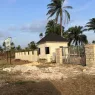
(75,34)
(31,46)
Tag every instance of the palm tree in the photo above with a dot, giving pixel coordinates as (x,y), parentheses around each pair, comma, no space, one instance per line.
(75,36)
(41,35)
(91,24)
(56,8)
(52,27)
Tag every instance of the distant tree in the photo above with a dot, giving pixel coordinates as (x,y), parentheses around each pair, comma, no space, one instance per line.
(75,36)
(1,49)
(3,44)
(41,35)
(91,25)
(26,48)
(93,42)
(57,8)
(4,47)
(52,27)
(32,45)
(12,46)
(18,48)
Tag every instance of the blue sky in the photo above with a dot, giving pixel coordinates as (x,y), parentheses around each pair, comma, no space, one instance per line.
(24,20)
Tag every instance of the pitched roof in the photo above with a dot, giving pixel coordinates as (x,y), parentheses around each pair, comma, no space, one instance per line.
(52,37)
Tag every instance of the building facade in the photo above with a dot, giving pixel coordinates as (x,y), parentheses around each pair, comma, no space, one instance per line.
(47,46)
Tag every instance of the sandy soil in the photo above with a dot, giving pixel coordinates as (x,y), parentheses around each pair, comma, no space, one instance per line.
(47,79)
(51,72)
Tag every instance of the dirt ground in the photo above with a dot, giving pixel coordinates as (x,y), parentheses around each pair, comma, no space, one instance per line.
(46,79)
(29,88)
(81,85)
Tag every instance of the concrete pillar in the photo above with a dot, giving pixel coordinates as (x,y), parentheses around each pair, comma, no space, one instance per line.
(90,54)
(59,58)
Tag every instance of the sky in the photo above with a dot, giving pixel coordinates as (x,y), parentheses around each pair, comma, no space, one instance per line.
(24,20)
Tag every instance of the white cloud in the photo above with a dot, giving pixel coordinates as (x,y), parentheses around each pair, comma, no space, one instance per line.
(35,26)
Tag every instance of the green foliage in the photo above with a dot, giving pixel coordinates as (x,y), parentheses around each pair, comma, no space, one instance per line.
(91,25)
(1,49)
(26,48)
(32,46)
(52,27)
(75,36)
(18,48)
(41,35)
(56,8)
(3,44)
(12,46)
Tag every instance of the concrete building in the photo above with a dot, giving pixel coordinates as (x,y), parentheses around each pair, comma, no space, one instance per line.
(47,46)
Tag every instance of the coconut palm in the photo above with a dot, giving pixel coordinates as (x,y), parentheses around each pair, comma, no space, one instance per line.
(52,27)
(76,36)
(56,8)
(91,24)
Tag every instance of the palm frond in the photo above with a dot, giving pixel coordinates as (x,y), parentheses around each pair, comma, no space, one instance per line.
(57,15)
(67,15)
(67,7)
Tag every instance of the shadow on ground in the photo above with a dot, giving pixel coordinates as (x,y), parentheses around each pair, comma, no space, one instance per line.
(29,88)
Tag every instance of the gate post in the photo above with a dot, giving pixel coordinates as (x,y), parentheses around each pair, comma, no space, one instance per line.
(90,54)
(59,58)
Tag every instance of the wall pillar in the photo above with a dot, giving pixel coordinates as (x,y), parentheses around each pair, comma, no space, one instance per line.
(90,54)
(59,58)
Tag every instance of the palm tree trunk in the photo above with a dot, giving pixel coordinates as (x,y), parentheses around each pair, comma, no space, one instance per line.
(61,25)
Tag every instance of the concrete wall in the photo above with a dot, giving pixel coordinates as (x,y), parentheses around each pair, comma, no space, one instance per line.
(90,54)
(30,56)
(52,47)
